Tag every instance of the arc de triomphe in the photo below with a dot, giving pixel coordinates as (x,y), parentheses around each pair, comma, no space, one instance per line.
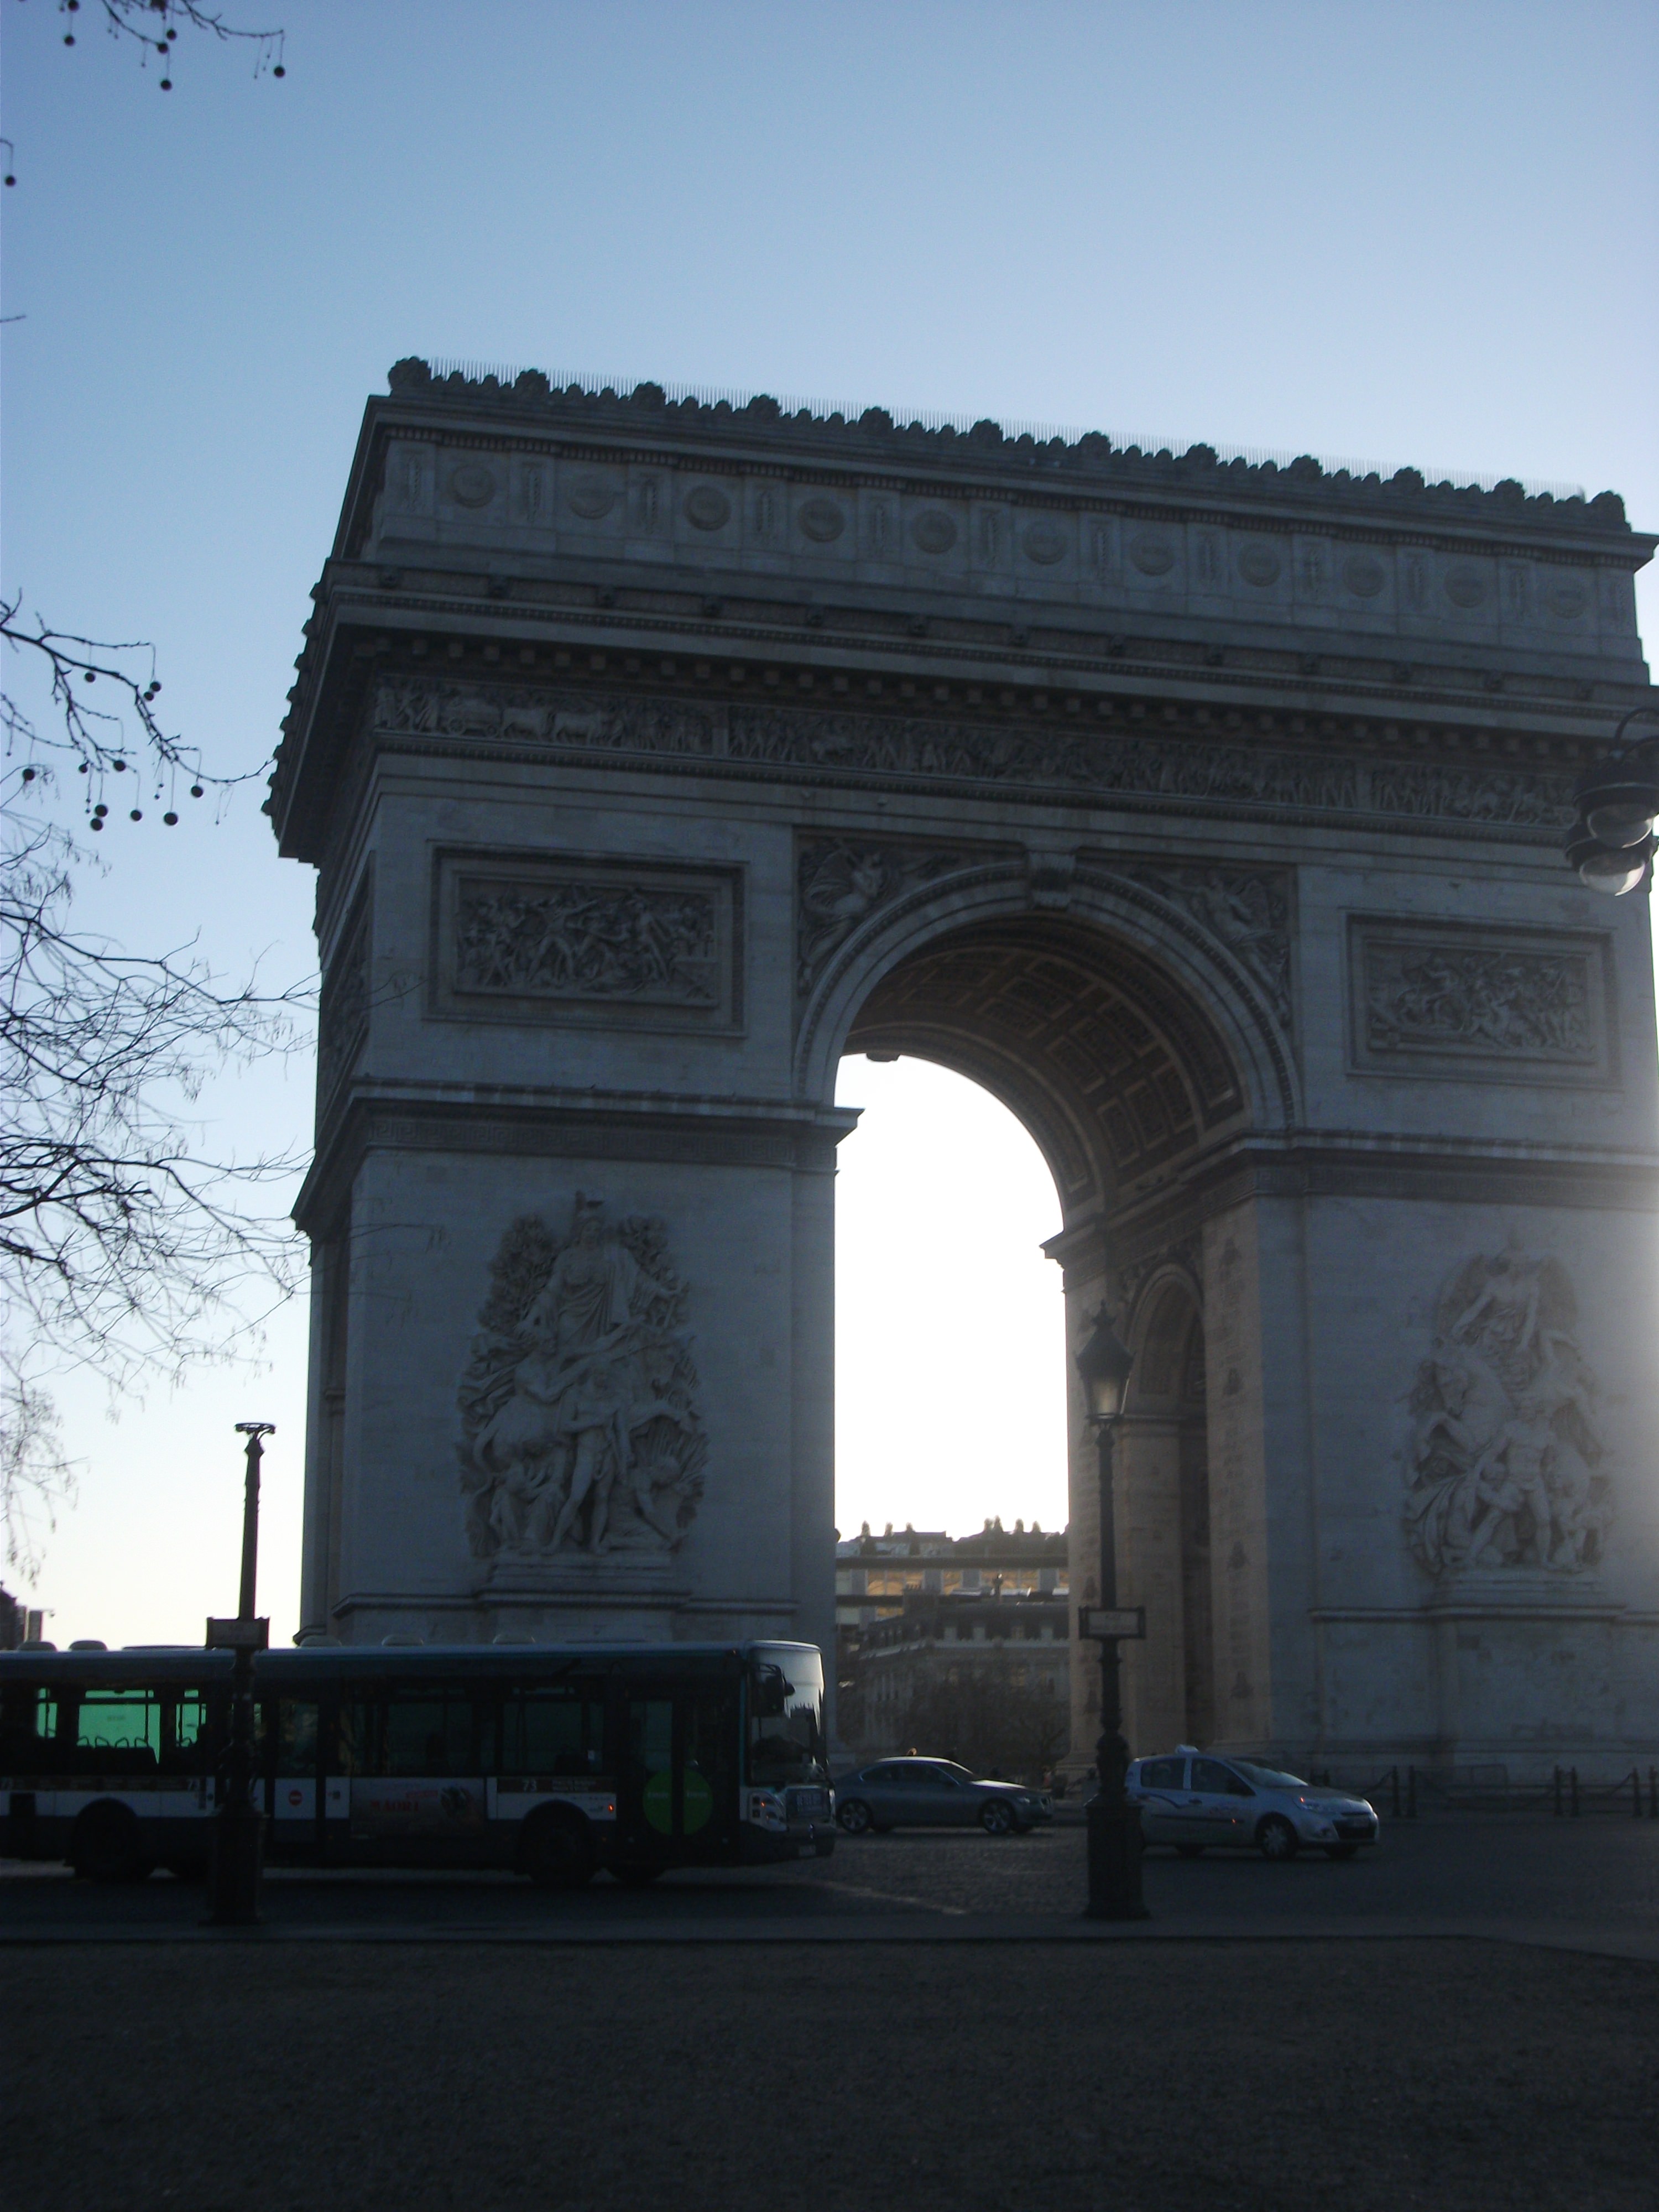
(653,754)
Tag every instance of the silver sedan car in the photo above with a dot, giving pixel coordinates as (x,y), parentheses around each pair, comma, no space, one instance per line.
(935,1793)
(1197,1802)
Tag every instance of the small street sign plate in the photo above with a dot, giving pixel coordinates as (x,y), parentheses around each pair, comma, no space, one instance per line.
(238,1635)
(1106,1622)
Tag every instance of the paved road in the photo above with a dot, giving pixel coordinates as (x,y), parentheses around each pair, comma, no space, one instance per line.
(1562,1878)
(477,2076)
(912,2023)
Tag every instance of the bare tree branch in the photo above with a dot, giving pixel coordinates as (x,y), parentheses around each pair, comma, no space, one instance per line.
(153,26)
(103,739)
(125,1247)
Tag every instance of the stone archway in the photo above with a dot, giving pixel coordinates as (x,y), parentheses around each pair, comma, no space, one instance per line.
(649,751)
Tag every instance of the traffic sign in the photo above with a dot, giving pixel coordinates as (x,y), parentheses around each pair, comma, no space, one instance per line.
(1106,1623)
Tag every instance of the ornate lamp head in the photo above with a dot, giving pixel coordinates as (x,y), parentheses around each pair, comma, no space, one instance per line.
(1104,1362)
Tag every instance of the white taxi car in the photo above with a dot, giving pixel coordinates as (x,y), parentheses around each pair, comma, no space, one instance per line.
(1198,1801)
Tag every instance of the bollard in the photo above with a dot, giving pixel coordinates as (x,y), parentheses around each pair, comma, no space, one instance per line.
(1558,1793)
(1393,1776)
(1636,1791)
(1410,1793)
(1572,1779)
(1653,1793)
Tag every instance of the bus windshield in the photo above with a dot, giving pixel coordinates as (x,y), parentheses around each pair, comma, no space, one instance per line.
(786,1717)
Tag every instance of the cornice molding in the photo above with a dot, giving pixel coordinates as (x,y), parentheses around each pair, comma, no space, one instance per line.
(538,1124)
(875,439)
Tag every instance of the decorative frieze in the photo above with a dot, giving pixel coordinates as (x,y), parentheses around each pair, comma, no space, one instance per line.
(1506,1464)
(530,936)
(1181,775)
(1447,999)
(510,714)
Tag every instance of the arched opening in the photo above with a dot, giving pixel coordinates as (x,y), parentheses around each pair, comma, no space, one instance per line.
(1124,1080)
(1114,1072)
(952,1604)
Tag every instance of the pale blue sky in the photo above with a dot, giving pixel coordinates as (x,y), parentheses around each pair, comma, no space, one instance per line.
(1400,233)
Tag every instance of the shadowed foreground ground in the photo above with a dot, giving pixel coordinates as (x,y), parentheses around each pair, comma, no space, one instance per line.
(1143,2078)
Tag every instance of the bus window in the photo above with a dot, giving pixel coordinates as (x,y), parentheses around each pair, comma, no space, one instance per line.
(295,1723)
(786,1723)
(186,1736)
(29,1723)
(120,1730)
(710,1756)
(426,1734)
(351,1737)
(554,1731)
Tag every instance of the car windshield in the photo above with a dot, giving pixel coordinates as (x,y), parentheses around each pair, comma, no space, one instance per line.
(1268,1777)
(786,1717)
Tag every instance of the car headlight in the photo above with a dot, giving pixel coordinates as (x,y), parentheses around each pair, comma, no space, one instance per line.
(766,1809)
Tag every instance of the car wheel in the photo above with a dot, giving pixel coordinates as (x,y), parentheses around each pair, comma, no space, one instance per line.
(854,1817)
(996,1819)
(1276,1839)
(634,1874)
(1341,1850)
(1190,1851)
(107,1846)
(556,1851)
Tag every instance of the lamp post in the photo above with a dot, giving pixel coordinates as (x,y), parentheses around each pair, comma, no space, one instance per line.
(1611,844)
(1114,1842)
(238,1830)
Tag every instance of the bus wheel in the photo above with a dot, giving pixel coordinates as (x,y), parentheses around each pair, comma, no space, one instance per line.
(633,1874)
(107,1846)
(556,1851)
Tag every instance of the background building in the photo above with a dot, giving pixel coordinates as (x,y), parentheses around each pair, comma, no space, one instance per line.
(874,1574)
(957,1646)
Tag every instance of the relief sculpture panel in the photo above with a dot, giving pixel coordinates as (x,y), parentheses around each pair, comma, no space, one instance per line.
(521,937)
(1506,1462)
(1440,1000)
(580,1431)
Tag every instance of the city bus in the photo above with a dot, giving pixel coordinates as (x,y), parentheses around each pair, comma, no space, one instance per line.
(555,1761)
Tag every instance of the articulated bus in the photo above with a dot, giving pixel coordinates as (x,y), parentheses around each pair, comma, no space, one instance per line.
(553,1761)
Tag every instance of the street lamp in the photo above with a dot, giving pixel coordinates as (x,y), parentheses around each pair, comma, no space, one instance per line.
(1114,1842)
(238,1832)
(1611,844)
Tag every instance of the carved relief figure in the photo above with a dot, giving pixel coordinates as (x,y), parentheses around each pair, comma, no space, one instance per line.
(1496,1002)
(580,1429)
(1247,908)
(839,884)
(1505,1456)
(577,940)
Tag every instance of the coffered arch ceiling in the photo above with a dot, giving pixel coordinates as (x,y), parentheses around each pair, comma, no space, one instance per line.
(1117,1073)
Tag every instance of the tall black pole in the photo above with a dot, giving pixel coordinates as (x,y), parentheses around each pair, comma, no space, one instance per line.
(238,1832)
(255,1430)
(1114,1840)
